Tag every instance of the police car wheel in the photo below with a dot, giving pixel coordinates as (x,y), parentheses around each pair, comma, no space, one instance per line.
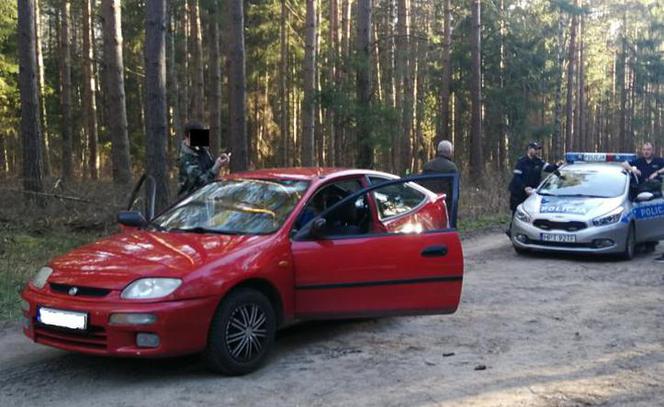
(520,251)
(630,244)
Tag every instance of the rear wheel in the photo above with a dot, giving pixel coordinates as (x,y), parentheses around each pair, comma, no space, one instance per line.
(630,244)
(241,334)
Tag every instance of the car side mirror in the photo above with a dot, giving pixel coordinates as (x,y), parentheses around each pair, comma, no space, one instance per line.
(645,197)
(131,219)
(317,230)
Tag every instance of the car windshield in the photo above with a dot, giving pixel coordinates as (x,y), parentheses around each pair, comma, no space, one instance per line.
(241,206)
(584,182)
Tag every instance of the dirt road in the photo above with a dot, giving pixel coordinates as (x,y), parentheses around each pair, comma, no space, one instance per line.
(549,332)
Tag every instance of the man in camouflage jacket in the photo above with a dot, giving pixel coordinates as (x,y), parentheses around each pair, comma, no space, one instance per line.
(196,164)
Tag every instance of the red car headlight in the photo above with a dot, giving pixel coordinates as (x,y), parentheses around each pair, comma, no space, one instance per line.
(150,288)
(40,279)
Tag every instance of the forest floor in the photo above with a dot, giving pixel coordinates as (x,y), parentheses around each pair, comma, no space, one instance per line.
(530,331)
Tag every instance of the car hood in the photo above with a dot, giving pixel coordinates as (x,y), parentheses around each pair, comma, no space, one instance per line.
(115,261)
(569,208)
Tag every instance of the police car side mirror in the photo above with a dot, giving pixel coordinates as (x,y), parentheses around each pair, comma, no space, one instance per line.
(644,197)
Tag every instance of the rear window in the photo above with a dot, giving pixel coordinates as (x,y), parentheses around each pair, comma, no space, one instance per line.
(394,200)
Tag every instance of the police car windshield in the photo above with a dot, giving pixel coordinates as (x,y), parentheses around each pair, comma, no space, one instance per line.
(591,183)
(241,206)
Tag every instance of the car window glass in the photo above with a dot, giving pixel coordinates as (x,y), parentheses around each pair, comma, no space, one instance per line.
(395,199)
(241,206)
(585,182)
(325,198)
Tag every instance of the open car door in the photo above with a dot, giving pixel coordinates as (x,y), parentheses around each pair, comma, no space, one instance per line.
(342,270)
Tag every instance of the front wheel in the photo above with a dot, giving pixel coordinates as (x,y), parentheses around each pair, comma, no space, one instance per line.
(241,334)
(520,251)
(630,244)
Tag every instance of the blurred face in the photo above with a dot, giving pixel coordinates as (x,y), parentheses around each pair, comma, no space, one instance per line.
(533,152)
(647,151)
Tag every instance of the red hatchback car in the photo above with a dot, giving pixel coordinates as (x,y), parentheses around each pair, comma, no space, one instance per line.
(221,270)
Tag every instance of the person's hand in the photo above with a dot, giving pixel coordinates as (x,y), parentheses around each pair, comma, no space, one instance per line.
(225,159)
(636,171)
(560,163)
(529,191)
(654,175)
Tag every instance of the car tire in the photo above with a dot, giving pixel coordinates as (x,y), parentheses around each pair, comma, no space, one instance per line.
(520,251)
(630,244)
(241,333)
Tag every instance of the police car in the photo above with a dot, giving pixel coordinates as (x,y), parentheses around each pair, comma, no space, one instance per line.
(590,205)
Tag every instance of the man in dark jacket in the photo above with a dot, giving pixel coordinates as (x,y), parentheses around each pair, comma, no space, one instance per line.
(197,167)
(528,174)
(442,164)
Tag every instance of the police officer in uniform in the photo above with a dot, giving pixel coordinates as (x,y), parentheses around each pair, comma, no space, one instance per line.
(647,167)
(649,170)
(196,164)
(528,174)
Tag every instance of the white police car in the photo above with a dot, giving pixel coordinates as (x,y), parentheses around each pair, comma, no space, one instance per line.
(590,205)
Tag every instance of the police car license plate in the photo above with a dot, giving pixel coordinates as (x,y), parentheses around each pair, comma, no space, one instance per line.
(62,319)
(558,238)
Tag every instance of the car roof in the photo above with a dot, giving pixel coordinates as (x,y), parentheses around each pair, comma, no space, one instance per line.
(306,173)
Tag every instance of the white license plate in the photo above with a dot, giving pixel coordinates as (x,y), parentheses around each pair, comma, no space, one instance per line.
(558,238)
(62,319)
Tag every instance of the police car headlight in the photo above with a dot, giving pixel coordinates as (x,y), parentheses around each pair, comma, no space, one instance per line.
(609,219)
(40,279)
(522,215)
(149,288)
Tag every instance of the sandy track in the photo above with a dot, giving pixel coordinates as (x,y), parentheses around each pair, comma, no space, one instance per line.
(551,332)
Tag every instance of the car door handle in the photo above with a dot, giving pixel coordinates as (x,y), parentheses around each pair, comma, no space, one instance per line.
(434,251)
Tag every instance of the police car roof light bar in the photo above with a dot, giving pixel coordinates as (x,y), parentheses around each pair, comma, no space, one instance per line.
(598,157)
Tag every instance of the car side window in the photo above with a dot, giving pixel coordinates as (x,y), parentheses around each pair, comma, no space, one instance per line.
(325,198)
(394,200)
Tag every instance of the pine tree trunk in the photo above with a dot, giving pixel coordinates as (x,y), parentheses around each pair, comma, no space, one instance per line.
(332,78)
(197,70)
(155,90)
(556,136)
(309,83)
(42,96)
(30,128)
(89,89)
(402,143)
(215,78)
(365,145)
(237,85)
(114,74)
(283,81)
(444,120)
(582,136)
(476,159)
(571,60)
(621,73)
(65,91)
(173,87)
(183,72)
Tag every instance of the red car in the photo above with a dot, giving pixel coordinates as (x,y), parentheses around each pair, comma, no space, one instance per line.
(221,270)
